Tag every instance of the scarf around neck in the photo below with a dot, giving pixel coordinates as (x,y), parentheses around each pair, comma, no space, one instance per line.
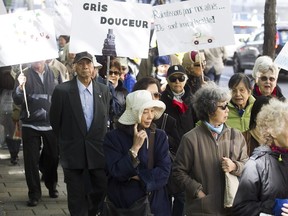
(178,102)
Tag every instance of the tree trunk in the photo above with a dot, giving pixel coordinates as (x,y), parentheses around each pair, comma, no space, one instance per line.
(269,28)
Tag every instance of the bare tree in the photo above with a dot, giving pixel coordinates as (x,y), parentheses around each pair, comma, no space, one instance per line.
(269,28)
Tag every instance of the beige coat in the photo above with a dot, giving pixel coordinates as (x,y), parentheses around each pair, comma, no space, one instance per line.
(198,167)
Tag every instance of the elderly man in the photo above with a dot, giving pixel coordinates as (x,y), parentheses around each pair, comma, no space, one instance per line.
(79,115)
(39,82)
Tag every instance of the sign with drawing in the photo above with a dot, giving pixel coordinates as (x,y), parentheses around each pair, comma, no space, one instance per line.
(26,37)
(111,28)
(189,25)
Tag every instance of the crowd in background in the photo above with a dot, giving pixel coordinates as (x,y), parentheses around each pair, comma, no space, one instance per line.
(118,105)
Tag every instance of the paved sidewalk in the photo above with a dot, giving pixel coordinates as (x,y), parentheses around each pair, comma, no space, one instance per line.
(14,192)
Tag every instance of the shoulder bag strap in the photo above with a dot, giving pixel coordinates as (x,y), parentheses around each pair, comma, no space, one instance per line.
(232,137)
(151,150)
(165,116)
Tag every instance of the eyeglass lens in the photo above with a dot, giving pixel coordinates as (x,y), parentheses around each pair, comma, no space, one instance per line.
(179,78)
(223,107)
(114,72)
(156,95)
(265,78)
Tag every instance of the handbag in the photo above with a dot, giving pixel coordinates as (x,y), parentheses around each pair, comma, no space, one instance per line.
(140,207)
(231,181)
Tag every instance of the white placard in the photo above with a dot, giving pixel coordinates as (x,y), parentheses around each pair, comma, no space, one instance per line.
(27,37)
(107,22)
(190,25)
(62,17)
(2,8)
(281,59)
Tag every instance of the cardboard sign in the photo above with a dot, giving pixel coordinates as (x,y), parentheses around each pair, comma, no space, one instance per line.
(190,25)
(110,28)
(27,37)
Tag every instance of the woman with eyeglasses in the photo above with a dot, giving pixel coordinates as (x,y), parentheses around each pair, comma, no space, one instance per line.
(120,91)
(178,99)
(265,72)
(241,102)
(204,155)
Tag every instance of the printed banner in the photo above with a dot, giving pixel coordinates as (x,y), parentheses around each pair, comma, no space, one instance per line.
(281,59)
(111,28)
(27,37)
(190,25)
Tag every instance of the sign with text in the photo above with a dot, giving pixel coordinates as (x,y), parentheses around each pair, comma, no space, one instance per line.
(62,17)
(281,59)
(190,25)
(110,28)
(27,37)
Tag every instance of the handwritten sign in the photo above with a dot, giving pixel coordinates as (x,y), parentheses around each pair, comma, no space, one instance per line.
(281,59)
(189,25)
(27,37)
(111,28)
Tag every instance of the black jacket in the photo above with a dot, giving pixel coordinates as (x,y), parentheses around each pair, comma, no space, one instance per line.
(264,179)
(184,121)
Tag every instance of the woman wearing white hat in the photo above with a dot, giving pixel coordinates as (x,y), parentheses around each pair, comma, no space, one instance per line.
(127,157)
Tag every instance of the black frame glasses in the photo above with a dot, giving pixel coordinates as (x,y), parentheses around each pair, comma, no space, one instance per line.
(180,78)
(114,72)
(265,78)
(223,107)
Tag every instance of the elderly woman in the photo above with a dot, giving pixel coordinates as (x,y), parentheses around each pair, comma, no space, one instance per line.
(265,72)
(265,176)
(203,155)
(129,152)
(241,102)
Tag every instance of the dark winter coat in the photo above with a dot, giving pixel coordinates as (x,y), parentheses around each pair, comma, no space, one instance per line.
(264,179)
(124,191)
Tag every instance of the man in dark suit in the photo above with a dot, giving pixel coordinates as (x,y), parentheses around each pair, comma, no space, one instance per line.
(79,115)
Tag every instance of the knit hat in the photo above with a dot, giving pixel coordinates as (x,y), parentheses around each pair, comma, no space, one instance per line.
(161,60)
(175,69)
(192,57)
(136,103)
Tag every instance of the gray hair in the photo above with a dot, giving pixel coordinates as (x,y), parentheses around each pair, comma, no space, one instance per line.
(206,98)
(271,120)
(264,64)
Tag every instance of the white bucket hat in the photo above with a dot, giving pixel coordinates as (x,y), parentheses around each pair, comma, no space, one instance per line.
(136,102)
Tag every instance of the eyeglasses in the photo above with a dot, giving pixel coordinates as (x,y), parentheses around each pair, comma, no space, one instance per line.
(179,78)
(265,78)
(156,95)
(114,72)
(223,107)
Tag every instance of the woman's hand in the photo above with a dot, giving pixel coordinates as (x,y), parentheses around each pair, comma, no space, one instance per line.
(228,165)
(22,80)
(284,209)
(138,139)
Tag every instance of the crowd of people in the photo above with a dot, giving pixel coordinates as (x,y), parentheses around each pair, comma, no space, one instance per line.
(156,134)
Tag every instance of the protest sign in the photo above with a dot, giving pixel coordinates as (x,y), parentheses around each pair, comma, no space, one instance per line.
(27,37)
(281,59)
(190,25)
(62,17)
(110,28)
(2,7)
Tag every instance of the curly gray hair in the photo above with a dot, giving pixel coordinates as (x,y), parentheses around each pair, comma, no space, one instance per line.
(206,98)
(271,120)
